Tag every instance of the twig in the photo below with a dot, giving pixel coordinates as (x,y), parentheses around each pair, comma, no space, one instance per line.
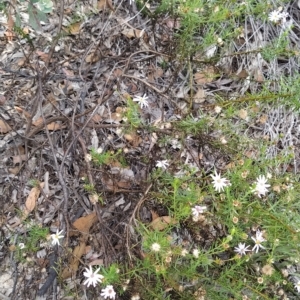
(52,273)
(135,211)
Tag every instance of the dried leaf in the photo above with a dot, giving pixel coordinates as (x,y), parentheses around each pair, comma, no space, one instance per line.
(133,33)
(84,224)
(93,57)
(133,139)
(243,74)
(23,112)
(200,96)
(97,118)
(103,4)
(72,267)
(205,76)
(32,198)
(4,127)
(97,262)
(162,223)
(154,215)
(259,76)
(14,171)
(75,28)
(2,99)
(12,248)
(243,114)
(127,176)
(37,122)
(10,26)
(55,126)
(263,119)
(17,159)
(43,56)
(158,72)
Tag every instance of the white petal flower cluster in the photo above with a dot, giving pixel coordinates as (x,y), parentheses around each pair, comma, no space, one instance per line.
(197,211)
(92,277)
(108,292)
(219,183)
(297,285)
(56,237)
(162,164)
(241,249)
(142,101)
(258,239)
(261,186)
(155,247)
(276,16)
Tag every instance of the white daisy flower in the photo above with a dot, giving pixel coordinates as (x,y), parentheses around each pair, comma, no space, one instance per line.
(21,245)
(219,183)
(88,157)
(108,292)
(142,101)
(241,249)
(184,252)
(297,285)
(258,239)
(155,247)
(162,164)
(275,16)
(198,210)
(92,277)
(283,16)
(261,186)
(56,237)
(196,253)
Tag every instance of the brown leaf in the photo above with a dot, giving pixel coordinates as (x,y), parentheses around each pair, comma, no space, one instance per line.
(71,269)
(97,118)
(200,96)
(162,223)
(75,28)
(97,262)
(10,25)
(14,170)
(2,100)
(23,112)
(133,139)
(32,198)
(133,33)
(38,121)
(154,215)
(44,56)
(263,119)
(158,72)
(205,76)
(259,76)
(17,159)
(55,126)
(84,224)
(243,74)
(118,72)
(93,57)
(4,127)
(243,114)
(103,4)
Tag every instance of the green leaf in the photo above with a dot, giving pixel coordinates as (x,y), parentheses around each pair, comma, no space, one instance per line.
(33,20)
(41,16)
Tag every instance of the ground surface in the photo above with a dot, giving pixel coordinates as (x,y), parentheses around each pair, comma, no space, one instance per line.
(61,98)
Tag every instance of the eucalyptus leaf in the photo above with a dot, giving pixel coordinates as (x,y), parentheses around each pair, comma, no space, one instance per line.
(33,20)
